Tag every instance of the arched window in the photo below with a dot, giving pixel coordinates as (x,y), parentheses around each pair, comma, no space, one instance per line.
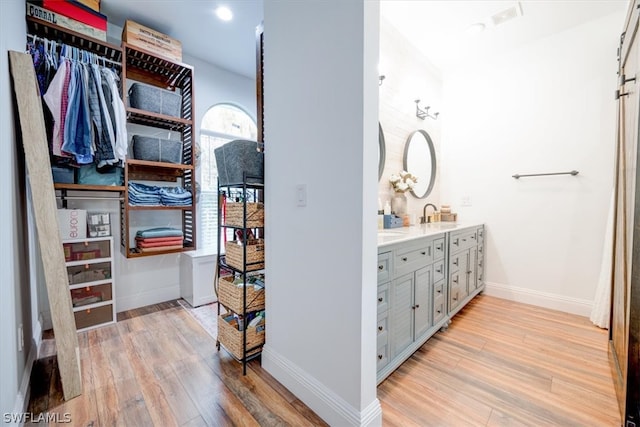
(221,124)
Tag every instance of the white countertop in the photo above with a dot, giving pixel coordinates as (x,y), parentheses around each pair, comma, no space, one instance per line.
(389,236)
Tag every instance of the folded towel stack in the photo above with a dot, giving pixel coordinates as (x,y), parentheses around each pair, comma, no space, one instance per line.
(159,239)
(151,195)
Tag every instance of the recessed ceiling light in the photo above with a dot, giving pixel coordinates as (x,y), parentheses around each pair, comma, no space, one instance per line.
(224,13)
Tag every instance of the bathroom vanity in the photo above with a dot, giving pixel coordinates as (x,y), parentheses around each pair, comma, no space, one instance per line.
(426,274)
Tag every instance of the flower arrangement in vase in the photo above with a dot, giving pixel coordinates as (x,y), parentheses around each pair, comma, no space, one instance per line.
(401,183)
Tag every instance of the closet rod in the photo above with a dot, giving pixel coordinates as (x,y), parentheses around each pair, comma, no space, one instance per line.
(100,58)
(572,173)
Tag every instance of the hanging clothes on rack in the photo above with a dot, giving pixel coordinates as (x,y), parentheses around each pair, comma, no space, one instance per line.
(88,115)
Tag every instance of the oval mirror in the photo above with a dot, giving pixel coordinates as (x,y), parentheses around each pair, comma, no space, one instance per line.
(420,160)
(381,151)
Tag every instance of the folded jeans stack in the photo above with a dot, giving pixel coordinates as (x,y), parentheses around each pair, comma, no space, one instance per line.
(150,195)
(159,239)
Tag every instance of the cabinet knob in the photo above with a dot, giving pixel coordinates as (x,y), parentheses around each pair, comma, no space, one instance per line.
(380,328)
(417,305)
(439,291)
(380,299)
(455,242)
(473,237)
(469,272)
(439,311)
(404,258)
(380,357)
(455,298)
(439,270)
(381,267)
(464,240)
(455,262)
(439,248)
(455,280)
(423,253)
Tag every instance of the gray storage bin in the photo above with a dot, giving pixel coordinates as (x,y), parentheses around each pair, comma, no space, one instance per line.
(156,149)
(155,100)
(236,157)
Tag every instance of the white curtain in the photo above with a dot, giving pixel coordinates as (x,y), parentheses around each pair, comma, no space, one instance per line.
(602,301)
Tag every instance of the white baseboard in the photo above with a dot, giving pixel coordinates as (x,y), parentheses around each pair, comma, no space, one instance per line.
(22,398)
(143,299)
(323,401)
(577,306)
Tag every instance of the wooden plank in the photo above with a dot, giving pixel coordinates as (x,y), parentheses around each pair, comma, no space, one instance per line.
(34,141)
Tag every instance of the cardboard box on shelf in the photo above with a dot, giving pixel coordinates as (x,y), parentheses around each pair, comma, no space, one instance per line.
(99,224)
(93,4)
(60,20)
(73,223)
(151,40)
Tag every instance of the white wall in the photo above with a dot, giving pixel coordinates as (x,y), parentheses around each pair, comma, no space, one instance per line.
(321,103)
(544,107)
(15,301)
(408,76)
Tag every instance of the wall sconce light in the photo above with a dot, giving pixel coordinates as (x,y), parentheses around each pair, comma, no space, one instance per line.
(380,79)
(423,114)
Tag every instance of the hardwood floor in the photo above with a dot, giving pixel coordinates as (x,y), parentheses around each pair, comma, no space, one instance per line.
(500,363)
(158,367)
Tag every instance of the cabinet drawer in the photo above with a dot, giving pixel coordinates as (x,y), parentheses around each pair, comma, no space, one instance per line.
(87,273)
(382,356)
(438,270)
(383,298)
(438,248)
(439,310)
(455,261)
(454,298)
(384,267)
(91,294)
(86,250)
(463,240)
(383,330)
(413,258)
(93,316)
(438,290)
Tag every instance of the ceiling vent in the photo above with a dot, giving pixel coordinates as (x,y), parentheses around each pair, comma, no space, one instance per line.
(507,14)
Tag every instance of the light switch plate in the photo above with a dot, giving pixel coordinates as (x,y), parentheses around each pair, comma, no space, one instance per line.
(301,195)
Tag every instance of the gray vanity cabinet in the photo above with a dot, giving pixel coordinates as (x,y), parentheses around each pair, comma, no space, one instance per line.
(407,319)
(465,266)
(422,283)
(384,276)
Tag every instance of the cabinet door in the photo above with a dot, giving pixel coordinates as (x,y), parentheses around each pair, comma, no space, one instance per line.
(472,272)
(465,267)
(401,324)
(422,291)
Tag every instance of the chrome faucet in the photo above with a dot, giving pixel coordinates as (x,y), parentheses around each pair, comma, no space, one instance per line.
(424,219)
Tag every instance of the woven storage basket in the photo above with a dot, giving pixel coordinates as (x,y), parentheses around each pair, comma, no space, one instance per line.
(255,255)
(231,338)
(255,215)
(231,296)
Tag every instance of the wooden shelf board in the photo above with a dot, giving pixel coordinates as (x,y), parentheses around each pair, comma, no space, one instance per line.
(57,33)
(87,187)
(148,118)
(146,163)
(161,208)
(131,253)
